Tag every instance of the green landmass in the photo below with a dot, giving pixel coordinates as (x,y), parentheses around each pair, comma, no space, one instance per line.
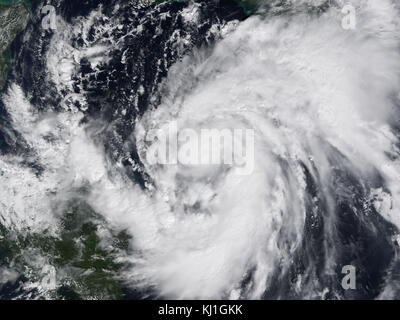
(85,264)
(13,18)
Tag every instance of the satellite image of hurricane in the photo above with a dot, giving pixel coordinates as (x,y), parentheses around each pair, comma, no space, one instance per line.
(216,149)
